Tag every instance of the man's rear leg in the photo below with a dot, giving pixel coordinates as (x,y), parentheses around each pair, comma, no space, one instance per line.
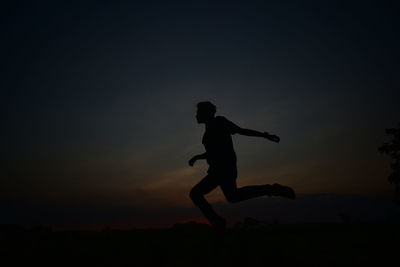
(234,194)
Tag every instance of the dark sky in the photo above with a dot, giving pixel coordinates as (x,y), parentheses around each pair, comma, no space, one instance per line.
(98,101)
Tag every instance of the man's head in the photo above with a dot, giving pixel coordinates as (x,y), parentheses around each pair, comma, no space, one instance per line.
(205,111)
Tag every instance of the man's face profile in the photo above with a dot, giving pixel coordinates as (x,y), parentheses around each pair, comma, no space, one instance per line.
(201,116)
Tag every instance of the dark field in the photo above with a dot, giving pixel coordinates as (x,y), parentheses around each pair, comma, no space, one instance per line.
(195,245)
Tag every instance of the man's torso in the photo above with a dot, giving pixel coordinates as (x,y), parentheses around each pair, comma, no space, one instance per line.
(218,143)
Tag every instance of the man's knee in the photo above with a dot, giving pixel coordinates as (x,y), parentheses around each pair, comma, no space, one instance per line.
(194,194)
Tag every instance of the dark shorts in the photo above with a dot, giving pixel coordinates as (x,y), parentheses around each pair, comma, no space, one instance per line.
(225,179)
(223,172)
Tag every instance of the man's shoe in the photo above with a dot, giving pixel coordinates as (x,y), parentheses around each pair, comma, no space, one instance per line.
(283,191)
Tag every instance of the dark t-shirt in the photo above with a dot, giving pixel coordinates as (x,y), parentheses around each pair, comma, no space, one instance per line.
(217,141)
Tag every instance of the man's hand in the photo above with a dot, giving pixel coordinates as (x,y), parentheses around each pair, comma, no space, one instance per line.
(192,161)
(272,137)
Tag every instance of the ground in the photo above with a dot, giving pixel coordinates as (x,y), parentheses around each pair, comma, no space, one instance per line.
(196,245)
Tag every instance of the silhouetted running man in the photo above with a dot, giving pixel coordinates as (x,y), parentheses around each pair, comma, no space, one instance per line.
(222,171)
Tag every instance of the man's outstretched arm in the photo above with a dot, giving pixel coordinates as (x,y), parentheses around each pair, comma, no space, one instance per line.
(200,156)
(248,132)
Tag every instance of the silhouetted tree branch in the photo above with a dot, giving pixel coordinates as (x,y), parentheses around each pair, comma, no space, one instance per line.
(392,149)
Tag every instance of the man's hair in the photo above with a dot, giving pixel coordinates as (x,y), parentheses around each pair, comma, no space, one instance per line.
(207,106)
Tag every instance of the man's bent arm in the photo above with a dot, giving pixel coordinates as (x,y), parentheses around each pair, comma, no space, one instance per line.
(202,156)
(197,157)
